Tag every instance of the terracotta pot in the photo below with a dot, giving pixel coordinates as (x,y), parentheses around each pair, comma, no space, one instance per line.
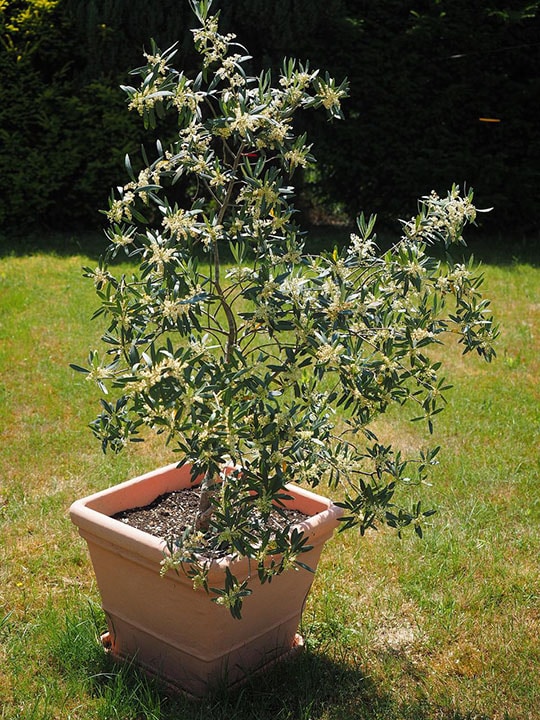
(167,627)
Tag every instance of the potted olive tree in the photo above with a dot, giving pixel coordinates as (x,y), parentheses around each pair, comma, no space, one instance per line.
(262,365)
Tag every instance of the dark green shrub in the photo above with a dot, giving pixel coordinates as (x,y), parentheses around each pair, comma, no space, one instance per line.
(421,74)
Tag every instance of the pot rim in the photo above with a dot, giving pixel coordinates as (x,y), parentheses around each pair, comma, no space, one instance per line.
(93,514)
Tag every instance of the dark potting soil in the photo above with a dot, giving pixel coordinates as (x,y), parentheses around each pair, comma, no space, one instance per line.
(170,514)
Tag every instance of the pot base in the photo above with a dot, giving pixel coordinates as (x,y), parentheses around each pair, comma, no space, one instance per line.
(296,649)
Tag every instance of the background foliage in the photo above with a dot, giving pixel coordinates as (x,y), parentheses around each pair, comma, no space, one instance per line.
(422,72)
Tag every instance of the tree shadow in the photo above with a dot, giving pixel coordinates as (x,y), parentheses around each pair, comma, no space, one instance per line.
(502,249)
(487,248)
(328,682)
(309,687)
(91,244)
(312,686)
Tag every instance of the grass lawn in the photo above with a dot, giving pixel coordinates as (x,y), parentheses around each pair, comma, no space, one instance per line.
(444,628)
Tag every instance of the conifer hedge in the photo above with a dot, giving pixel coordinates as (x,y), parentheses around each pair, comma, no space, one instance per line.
(442,91)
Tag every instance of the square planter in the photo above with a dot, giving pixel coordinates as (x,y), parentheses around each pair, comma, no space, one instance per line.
(171,630)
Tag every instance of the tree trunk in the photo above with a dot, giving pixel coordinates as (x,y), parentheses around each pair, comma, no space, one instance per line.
(202,523)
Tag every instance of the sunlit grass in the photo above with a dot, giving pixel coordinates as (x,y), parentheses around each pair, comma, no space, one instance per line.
(444,628)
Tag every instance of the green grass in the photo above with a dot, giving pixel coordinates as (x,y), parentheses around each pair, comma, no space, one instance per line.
(444,628)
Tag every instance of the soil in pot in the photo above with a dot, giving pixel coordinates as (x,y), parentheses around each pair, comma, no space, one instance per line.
(171,513)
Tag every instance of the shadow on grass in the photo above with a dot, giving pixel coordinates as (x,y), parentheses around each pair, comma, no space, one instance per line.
(489,249)
(91,244)
(308,687)
(503,250)
(313,686)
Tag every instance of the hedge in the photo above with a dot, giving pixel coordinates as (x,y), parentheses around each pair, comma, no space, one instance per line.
(442,91)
